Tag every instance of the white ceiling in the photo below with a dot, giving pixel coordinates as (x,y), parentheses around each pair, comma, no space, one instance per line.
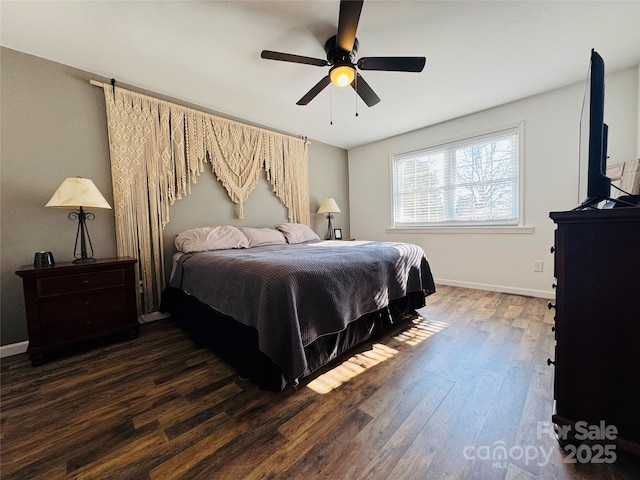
(479,54)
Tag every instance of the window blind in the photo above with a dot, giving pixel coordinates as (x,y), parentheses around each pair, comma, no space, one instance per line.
(473,181)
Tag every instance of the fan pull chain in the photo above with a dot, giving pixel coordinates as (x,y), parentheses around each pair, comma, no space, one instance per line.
(330,106)
(356,80)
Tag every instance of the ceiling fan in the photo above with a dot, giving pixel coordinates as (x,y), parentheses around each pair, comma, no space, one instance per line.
(341,50)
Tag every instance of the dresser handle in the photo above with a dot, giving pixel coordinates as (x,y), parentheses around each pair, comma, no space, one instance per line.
(550,305)
(550,362)
(85,282)
(552,249)
(87,303)
(553,328)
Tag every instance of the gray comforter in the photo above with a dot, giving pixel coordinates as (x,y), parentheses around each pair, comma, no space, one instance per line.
(294,294)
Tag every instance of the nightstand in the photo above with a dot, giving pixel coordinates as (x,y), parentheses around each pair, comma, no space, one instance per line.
(71,303)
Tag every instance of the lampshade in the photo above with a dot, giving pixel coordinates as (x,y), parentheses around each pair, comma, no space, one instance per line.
(76,192)
(329,205)
(342,75)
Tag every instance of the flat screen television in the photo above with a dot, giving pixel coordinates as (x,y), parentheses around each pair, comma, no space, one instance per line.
(598,184)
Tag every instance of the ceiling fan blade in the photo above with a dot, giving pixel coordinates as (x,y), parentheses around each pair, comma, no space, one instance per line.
(392,64)
(348,23)
(365,91)
(317,88)
(288,57)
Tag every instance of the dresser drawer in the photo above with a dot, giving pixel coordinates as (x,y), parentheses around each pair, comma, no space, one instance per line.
(52,286)
(60,309)
(83,315)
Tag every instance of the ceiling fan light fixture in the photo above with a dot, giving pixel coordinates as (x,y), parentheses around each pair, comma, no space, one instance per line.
(342,75)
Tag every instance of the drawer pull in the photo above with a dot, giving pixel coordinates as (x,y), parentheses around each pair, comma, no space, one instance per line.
(550,362)
(553,328)
(552,249)
(87,303)
(85,282)
(550,305)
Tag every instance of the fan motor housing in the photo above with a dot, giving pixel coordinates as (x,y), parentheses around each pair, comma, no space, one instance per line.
(337,55)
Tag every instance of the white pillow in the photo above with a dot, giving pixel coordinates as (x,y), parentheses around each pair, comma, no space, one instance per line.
(262,236)
(297,232)
(211,238)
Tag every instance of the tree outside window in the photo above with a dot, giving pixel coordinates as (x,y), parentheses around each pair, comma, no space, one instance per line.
(469,182)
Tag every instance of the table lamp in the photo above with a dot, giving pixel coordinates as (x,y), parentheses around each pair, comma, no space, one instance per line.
(329,206)
(78,193)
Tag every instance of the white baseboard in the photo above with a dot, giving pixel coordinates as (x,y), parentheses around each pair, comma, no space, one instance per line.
(153,316)
(21,347)
(13,349)
(498,288)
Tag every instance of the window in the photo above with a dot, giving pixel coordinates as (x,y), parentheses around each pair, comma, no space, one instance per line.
(470,182)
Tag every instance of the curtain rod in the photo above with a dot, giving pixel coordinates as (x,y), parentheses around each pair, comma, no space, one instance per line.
(96,83)
(99,84)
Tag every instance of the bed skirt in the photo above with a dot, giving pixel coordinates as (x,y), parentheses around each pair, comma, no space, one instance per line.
(237,344)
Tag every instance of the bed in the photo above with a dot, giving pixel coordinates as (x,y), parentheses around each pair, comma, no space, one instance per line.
(278,310)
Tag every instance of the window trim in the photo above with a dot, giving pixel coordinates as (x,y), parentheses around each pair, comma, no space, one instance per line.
(465,227)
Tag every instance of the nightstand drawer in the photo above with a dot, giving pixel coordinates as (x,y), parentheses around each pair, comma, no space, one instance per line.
(63,308)
(72,317)
(51,286)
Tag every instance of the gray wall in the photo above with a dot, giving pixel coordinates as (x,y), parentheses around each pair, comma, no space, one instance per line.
(53,126)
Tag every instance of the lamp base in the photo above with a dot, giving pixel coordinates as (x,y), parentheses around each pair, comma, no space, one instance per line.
(329,235)
(84,260)
(82,234)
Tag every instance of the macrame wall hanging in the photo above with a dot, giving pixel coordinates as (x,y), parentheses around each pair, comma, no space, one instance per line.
(159,148)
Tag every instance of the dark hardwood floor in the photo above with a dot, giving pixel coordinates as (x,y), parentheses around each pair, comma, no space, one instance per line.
(464,394)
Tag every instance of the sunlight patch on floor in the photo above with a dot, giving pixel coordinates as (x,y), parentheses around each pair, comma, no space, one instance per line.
(421,330)
(360,362)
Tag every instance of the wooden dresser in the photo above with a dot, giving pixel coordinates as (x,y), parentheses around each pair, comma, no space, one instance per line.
(71,303)
(597,321)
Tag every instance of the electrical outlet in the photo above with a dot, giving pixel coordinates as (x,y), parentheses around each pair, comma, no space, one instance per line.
(538,265)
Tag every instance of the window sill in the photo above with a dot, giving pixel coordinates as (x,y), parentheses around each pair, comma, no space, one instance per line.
(489,229)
